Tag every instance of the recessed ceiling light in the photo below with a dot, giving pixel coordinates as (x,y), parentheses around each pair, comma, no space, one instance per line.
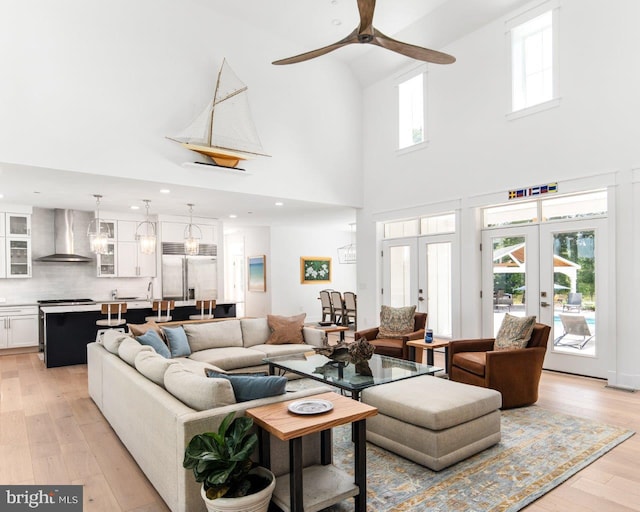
(279,203)
(233,216)
(1,196)
(164,191)
(336,22)
(135,207)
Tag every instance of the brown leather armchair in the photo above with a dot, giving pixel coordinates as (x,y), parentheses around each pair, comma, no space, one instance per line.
(515,373)
(395,347)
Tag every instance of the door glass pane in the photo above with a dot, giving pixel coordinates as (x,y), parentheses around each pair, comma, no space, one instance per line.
(574,320)
(439,288)
(509,278)
(400,276)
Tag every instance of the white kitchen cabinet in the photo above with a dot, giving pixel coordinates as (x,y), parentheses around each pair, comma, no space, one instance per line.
(2,226)
(18,326)
(133,263)
(127,230)
(17,257)
(17,224)
(107,262)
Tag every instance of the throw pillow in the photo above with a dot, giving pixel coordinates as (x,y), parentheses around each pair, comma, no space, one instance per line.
(140,329)
(515,332)
(152,339)
(177,340)
(396,322)
(286,329)
(251,387)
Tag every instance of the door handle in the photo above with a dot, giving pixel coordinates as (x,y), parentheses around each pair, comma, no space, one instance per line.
(545,304)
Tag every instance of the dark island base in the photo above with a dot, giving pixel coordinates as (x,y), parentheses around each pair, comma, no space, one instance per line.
(67,334)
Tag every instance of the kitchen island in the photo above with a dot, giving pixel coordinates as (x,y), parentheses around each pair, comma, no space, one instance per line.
(65,330)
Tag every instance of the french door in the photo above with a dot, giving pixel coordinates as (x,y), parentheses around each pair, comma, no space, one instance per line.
(421,271)
(557,272)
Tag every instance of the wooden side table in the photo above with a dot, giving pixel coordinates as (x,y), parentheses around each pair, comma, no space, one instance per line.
(331,328)
(326,484)
(418,346)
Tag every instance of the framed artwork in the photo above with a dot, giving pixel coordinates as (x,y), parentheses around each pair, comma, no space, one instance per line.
(257,273)
(315,269)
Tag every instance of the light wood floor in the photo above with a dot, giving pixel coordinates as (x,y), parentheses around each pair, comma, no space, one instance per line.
(52,433)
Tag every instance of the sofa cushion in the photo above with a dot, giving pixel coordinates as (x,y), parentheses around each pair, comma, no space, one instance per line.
(396,322)
(153,366)
(229,358)
(251,387)
(177,341)
(111,340)
(255,331)
(514,332)
(214,335)
(129,348)
(153,339)
(285,329)
(282,350)
(140,329)
(197,366)
(197,391)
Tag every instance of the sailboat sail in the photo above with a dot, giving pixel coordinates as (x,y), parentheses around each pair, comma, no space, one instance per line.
(224,131)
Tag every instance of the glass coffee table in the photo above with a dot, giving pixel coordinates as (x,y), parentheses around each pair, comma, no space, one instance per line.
(343,375)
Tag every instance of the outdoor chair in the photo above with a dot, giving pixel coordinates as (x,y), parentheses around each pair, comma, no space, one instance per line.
(574,325)
(514,372)
(395,347)
(574,303)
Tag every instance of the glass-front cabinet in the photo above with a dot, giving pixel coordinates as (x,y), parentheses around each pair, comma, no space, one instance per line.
(18,257)
(107,261)
(17,224)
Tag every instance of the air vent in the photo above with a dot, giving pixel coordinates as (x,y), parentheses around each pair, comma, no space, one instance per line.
(177,248)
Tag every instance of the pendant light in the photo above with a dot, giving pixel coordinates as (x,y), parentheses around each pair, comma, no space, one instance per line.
(146,233)
(97,233)
(191,240)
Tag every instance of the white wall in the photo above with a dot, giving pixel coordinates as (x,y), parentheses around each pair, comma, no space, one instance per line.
(474,150)
(97,86)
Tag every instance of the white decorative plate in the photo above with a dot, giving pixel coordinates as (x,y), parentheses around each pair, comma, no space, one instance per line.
(310,406)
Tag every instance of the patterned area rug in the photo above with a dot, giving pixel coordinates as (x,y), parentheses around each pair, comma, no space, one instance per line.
(539,450)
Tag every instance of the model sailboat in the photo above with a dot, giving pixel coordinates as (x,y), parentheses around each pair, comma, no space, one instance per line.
(224,131)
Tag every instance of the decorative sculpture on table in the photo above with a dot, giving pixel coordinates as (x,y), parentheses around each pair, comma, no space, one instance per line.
(360,352)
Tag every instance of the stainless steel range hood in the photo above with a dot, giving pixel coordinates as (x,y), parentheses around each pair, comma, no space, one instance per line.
(63,245)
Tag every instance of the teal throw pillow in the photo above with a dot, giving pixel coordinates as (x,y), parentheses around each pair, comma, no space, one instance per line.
(250,387)
(153,339)
(177,339)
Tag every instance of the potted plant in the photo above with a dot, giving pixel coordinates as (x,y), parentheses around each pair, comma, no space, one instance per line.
(221,461)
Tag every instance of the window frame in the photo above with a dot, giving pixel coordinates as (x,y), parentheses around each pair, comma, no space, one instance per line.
(399,80)
(515,22)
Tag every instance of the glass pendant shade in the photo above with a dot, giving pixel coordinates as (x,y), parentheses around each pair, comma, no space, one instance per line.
(97,233)
(146,234)
(192,235)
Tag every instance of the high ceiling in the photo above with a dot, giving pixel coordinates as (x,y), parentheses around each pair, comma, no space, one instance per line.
(303,25)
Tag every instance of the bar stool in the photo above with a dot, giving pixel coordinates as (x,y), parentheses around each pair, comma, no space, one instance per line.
(111,322)
(206,308)
(163,307)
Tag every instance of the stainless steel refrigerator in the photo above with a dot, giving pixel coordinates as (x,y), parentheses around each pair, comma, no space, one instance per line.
(189,277)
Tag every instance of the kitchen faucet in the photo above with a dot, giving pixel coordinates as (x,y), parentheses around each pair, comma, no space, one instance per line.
(150,289)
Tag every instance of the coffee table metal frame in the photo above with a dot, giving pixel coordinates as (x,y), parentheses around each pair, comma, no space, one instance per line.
(343,375)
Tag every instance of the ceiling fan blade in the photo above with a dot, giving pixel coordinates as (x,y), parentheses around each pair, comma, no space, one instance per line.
(410,50)
(366,8)
(350,39)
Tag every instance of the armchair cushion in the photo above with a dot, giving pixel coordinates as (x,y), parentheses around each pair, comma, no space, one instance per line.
(396,322)
(514,332)
(473,362)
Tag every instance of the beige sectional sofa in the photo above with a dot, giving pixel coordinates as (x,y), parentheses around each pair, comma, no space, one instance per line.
(156,405)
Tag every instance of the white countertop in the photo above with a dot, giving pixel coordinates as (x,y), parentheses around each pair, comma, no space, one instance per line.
(133,304)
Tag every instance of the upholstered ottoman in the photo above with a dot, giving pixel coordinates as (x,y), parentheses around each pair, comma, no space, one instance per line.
(432,421)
